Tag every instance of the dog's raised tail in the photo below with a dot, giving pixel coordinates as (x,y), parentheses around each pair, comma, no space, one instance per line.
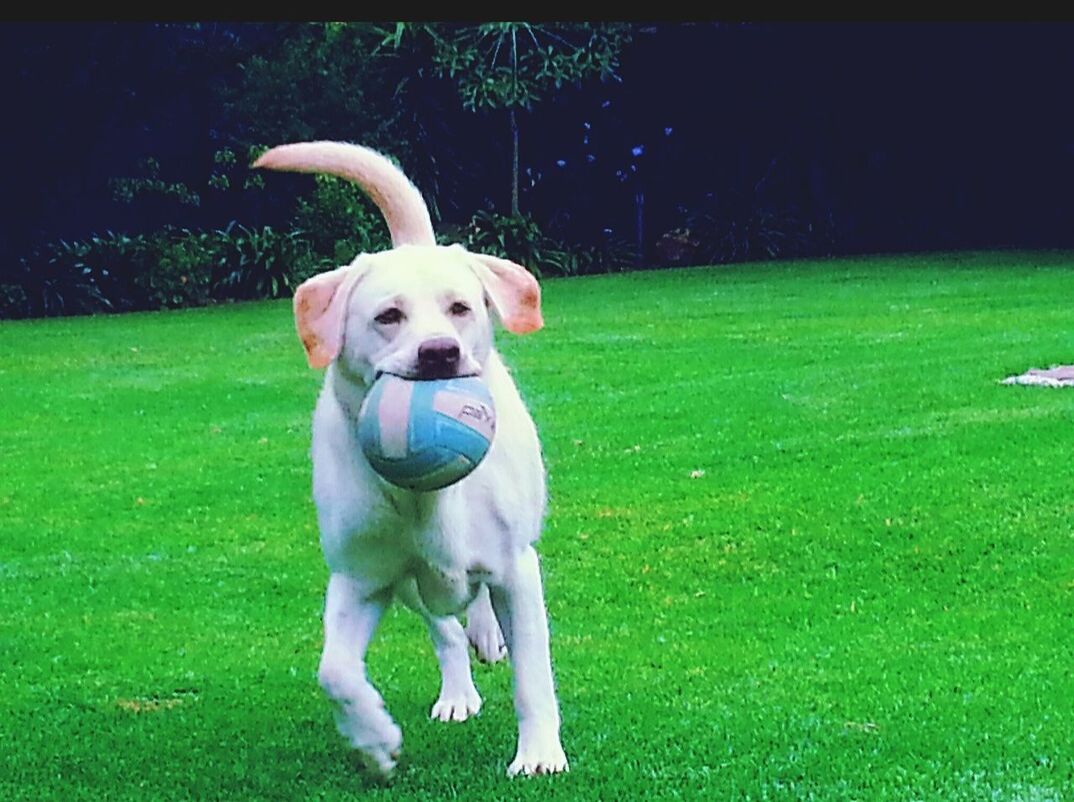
(387,186)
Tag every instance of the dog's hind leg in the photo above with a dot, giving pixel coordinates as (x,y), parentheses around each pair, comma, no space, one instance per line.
(483,630)
(350,617)
(458,698)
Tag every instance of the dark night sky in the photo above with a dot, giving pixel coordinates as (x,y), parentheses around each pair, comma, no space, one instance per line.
(913,136)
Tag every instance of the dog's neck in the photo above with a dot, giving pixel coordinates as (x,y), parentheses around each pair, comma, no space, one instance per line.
(348,388)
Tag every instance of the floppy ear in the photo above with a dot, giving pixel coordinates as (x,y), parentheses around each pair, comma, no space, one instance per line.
(514,292)
(320,310)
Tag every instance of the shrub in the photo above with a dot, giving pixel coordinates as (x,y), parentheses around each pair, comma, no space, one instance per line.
(181,272)
(53,280)
(13,300)
(168,268)
(677,247)
(762,232)
(611,254)
(746,225)
(259,263)
(521,240)
(127,189)
(740,231)
(226,183)
(340,221)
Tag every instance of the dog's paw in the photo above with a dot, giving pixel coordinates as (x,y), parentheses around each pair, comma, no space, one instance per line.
(381,755)
(547,759)
(380,761)
(457,706)
(377,739)
(487,640)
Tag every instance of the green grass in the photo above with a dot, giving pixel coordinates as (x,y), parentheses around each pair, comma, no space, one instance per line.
(868,594)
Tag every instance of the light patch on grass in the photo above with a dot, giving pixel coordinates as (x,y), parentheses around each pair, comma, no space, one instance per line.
(155,704)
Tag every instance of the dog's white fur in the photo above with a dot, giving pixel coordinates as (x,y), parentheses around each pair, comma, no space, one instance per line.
(466,547)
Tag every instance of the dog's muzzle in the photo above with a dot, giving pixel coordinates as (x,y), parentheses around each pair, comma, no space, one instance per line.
(438,358)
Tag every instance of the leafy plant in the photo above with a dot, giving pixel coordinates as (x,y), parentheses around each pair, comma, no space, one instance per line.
(177,269)
(520,239)
(313,80)
(231,174)
(516,237)
(13,300)
(339,220)
(54,280)
(678,246)
(743,233)
(332,80)
(168,268)
(610,255)
(740,225)
(513,65)
(128,189)
(258,262)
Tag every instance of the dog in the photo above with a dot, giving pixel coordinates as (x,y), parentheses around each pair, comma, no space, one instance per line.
(422,310)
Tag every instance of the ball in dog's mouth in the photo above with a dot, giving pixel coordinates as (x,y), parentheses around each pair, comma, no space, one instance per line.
(426,434)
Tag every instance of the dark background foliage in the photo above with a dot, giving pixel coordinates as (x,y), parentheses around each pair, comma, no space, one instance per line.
(717,142)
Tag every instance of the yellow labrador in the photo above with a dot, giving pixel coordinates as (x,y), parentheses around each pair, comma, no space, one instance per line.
(422,310)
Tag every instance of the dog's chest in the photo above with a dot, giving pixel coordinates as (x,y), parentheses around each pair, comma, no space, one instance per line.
(445,591)
(440,554)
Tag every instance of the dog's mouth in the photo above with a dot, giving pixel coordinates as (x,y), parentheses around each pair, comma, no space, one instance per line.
(427,374)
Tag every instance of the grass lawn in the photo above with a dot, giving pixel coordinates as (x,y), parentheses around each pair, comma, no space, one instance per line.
(801,546)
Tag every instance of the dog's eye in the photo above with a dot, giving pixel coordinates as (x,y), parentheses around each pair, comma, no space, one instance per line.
(389,316)
(458,309)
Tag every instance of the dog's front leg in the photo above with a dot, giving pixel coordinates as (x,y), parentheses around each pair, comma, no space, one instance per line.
(349,621)
(519,605)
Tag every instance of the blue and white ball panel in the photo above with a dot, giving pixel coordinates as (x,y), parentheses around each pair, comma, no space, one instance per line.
(468,408)
(392,420)
(426,435)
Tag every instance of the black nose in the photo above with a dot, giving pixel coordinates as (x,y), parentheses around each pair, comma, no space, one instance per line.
(438,358)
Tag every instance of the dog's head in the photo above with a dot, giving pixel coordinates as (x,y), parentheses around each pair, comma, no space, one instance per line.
(419,310)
